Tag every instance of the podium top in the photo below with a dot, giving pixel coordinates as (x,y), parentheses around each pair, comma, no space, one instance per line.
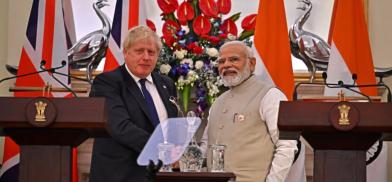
(71,113)
(318,116)
(52,121)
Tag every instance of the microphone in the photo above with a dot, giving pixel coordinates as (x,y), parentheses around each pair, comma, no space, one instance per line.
(341,84)
(43,62)
(348,87)
(63,63)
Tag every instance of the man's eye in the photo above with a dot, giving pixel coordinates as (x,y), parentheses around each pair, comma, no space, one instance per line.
(234,59)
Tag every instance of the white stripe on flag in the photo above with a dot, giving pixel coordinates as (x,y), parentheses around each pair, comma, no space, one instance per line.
(260,68)
(11,162)
(338,70)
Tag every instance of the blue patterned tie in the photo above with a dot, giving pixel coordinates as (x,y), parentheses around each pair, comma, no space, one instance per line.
(150,103)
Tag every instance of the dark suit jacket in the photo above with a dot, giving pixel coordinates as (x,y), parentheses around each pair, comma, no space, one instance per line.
(129,125)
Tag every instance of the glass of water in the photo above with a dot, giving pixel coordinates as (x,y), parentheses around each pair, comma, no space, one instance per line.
(165,155)
(217,153)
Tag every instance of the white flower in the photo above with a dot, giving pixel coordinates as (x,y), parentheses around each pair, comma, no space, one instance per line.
(180,54)
(199,64)
(212,52)
(191,73)
(165,69)
(187,61)
(186,29)
(214,63)
(213,89)
(231,36)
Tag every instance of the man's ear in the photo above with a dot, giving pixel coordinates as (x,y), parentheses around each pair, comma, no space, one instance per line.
(252,64)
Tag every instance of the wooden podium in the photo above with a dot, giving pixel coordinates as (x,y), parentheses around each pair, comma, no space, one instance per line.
(46,130)
(339,132)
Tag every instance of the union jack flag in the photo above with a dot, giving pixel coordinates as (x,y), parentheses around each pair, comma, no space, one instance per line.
(46,39)
(127,14)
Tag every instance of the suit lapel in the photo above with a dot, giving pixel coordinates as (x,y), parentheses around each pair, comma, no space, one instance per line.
(164,93)
(135,91)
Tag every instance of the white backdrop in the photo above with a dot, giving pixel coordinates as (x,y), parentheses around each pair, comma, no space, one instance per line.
(86,20)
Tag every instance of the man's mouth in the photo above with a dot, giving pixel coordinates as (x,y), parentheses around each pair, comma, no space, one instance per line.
(230,73)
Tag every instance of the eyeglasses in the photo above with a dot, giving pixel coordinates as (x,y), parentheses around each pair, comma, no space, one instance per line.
(232,60)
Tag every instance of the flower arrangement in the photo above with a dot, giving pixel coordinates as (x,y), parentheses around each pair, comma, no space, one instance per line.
(192,33)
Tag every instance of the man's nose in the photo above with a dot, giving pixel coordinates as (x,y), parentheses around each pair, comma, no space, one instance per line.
(145,55)
(226,64)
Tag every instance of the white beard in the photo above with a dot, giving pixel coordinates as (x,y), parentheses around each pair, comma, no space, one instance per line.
(232,81)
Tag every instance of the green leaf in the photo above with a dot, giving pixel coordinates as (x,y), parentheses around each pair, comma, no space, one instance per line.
(246,34)
(235,17)
(171,16)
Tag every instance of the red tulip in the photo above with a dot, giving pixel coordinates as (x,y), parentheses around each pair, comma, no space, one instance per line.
(224,6)
(191,45)
(169,40)
(214,40)
(223,35)
(197,50)
(201,25)
(168,6)
(151,24)
(209,8)
(229,26)
(170,28)
(185,12)
(249,22)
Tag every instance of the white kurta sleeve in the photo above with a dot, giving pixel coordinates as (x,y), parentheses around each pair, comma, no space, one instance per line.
(285,149)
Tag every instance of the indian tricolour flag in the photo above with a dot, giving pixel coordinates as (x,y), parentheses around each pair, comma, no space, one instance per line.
(351,54)
(272,51)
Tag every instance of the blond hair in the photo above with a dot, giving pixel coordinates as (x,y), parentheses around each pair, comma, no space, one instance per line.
(141,32)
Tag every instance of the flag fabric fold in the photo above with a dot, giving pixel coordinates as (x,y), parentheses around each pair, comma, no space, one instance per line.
(272,51)
(351,54)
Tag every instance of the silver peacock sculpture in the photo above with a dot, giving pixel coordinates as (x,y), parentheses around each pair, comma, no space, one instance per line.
(308,47)
(90,49)
(312,49)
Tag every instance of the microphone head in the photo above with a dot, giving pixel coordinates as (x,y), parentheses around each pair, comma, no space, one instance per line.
(355,76)
(43,62)
(324,74)
(63,63)
(340,82)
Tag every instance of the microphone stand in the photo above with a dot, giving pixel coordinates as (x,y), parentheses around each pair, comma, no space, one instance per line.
(341,84)
(32,73)
(63,63)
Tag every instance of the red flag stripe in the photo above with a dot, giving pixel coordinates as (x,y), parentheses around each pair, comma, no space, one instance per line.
(48,32)
(133,19)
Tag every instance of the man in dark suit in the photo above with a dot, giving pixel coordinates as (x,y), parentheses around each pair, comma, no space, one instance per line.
(129,91)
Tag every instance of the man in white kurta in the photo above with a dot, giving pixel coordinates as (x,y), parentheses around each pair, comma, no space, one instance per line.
(244,118)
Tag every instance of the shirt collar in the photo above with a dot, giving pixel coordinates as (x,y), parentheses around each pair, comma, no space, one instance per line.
(149,77)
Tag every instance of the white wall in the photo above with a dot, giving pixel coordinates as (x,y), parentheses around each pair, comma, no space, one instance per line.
(3,46)
(380,28)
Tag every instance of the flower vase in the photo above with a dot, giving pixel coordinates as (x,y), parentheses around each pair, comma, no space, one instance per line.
(192,158)
(185,96)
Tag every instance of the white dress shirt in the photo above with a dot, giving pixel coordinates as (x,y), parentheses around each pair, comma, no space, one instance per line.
(285,149)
